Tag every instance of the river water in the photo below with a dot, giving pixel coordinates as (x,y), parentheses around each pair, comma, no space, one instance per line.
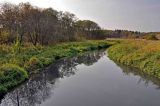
(91,79)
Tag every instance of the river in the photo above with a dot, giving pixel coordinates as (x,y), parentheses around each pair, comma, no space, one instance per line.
(91,79)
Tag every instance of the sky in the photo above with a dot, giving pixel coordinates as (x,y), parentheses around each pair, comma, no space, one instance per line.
(136,15)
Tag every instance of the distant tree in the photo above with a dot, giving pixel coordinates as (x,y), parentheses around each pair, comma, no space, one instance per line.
(89,28)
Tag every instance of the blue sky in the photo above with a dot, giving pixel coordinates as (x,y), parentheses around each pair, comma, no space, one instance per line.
(141,15)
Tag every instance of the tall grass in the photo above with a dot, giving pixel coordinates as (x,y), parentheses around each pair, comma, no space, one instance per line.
(143,54)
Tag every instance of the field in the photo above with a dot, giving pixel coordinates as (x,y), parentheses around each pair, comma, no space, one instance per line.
(142,54)
(19,62)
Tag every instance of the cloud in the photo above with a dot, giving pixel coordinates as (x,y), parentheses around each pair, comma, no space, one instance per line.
(115,14)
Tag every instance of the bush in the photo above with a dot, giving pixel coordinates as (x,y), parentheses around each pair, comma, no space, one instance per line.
(11,75)
(150,37)
(34,64)
(46,61)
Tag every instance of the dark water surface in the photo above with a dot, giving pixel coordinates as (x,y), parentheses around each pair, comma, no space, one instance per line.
(88,80)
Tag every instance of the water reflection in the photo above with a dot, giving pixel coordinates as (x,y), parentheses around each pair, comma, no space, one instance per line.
(143,77)
(111,82)
(40,86)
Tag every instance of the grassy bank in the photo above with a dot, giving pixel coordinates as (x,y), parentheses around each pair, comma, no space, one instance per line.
(18,63)
(142,54)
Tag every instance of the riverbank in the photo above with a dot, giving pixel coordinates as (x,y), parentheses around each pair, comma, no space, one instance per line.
(142,54)
(16,67)
(80,77)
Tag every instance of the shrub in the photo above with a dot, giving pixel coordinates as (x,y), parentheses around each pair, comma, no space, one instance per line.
(46,61)
(11,75)
(34,64)
(150,37)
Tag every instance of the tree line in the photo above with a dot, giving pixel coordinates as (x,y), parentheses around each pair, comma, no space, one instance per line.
(123,34)
(43,26)
(31,24)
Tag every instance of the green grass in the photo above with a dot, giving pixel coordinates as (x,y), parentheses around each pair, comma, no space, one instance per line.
(142,54)
(31,59)
(11,75)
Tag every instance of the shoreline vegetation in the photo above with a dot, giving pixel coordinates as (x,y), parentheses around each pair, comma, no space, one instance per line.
(15,67)
(141,54)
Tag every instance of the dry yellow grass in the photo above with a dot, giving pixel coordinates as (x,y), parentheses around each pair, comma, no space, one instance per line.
(143,54)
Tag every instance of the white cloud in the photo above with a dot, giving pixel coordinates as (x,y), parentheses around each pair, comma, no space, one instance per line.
(56,4)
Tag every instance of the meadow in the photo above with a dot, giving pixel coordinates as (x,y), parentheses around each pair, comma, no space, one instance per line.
(142,54)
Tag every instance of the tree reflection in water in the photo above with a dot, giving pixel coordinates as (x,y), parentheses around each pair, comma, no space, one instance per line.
(40,86)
